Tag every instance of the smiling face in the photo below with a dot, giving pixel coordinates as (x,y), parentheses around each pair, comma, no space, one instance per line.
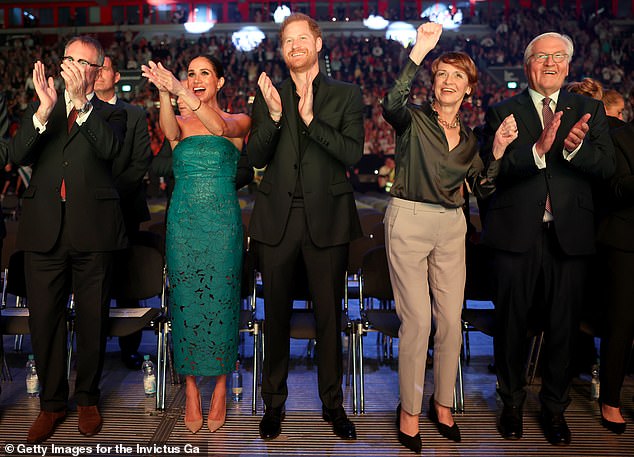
(300,47)
(451,84)
(545,75)
(203,80)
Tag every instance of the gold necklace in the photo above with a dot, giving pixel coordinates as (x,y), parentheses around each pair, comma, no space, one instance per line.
(443,122)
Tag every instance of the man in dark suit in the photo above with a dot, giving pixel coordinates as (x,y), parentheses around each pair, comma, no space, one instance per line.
(70,226)
(128,171)
(540,224)
(307,134)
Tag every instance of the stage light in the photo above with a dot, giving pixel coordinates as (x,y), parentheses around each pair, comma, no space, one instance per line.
(440,14)
(402,32)
(375,22)
(247,38)
(126,88)
(280,13)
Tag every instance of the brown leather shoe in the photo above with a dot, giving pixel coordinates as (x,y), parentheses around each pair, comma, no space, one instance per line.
(44,426)
(90,421)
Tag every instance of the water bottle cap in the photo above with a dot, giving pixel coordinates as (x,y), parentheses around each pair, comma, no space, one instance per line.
(146,357)
(31,357)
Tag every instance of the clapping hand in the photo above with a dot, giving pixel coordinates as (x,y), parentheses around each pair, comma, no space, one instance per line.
(504,135)
(271,96)
(547,138)
(74,75)
(305,106)
(577,133)
(162,78)
(45,89)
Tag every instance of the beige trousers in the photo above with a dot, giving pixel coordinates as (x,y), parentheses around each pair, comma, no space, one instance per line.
(426,253)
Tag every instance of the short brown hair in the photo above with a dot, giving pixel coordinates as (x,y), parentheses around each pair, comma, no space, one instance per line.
(588,87)
(611,97)
(461,61)
(296,17)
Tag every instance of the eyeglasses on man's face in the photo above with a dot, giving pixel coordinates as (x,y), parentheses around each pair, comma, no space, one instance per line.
(83,62)
(542,57)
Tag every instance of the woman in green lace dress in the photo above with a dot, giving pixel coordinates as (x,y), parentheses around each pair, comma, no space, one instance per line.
(204,231)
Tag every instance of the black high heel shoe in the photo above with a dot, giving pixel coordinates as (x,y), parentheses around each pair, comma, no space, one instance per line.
(413,443)
(452,433)
(614,427)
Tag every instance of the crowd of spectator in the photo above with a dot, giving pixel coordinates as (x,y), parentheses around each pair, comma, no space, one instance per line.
(372,62)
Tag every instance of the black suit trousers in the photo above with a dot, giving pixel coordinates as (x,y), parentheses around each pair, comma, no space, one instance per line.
(325,269)
(130,344)
(618,333)
(546,278)
(50,277)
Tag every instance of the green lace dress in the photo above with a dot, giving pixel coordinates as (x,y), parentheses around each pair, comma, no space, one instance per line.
(204,256)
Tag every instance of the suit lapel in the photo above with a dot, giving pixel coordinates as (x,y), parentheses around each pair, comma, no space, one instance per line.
(288,101)
(531,120)
(564,103)
(324,87)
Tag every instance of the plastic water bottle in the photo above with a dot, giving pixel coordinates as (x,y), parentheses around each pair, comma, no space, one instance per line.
(236,383)
(149,376)
(595,383)
(32,381)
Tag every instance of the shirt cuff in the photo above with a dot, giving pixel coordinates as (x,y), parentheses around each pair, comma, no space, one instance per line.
(540,162)
(571,155)
(41,128)
(81,118)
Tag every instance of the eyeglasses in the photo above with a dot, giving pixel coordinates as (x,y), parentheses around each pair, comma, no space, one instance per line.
(542,57)
(83,62)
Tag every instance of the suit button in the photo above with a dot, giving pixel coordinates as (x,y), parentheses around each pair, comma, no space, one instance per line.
(294,166)
(65,163)
(290,194)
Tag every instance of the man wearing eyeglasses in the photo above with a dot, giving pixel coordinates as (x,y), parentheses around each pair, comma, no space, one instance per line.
(70,226)
(540,226)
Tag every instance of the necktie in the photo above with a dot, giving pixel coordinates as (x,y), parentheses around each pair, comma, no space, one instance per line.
(72,117)
(548,116)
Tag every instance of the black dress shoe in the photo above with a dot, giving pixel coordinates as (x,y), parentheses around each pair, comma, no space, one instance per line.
(511,424)
(555,428)
(452,433)
(271,423)
(614,427)
(413,443)
(341,425)
(132,360)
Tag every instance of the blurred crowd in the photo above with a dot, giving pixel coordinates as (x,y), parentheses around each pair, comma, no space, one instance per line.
(601,52)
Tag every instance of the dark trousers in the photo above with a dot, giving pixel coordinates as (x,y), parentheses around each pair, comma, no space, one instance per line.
(48,279)
(618,333)
(546,277)
(325,269)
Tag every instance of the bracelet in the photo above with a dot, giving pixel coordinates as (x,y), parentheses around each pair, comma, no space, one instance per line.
(200,102)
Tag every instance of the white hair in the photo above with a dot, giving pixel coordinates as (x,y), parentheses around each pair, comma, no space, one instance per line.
(570,48)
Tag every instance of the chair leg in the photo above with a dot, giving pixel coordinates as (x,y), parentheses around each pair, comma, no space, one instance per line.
(6,372)
(361,379)
(536,362)
(256,362)
(352,356)
(350,346)
(71,344)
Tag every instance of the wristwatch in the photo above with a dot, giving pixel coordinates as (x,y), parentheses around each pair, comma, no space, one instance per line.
(84,109)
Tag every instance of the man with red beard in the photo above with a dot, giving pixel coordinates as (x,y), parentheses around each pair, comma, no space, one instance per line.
(306,135)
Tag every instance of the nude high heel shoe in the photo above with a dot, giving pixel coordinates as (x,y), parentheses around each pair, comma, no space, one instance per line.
(214,425)
(195,425)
